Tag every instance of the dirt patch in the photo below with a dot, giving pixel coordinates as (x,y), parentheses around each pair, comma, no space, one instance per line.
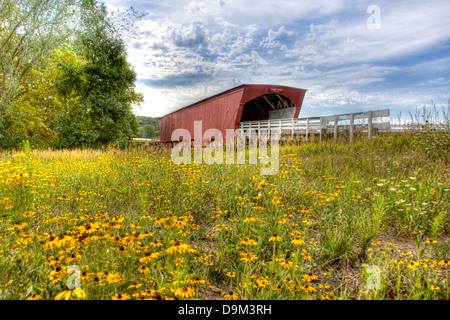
(403,245)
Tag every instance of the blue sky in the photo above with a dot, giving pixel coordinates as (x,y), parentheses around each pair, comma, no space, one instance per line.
(189,50)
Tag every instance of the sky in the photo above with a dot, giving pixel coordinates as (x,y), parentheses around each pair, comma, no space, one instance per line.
(351,56)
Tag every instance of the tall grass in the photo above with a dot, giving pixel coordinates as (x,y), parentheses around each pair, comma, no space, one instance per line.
(335,217)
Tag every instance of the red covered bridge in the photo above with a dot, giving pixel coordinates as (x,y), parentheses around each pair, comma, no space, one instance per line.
(247,102)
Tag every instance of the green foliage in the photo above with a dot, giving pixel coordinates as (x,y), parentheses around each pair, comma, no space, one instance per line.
(149,131)
(142,121)
(26,146)
(105,88)
(433,143)
(438,224)
(8,138)
(30,29)
(109,209)
(367,225)
(38,70)
(74,132)
(442,250)
(33,114)
(336,242)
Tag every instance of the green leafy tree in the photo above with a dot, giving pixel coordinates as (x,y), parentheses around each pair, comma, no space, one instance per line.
(29,30)
(104,86)
(143,120)
(35,111)
(140,133)
(149,131)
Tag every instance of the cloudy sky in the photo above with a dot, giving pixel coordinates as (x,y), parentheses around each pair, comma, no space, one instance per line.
(347,56)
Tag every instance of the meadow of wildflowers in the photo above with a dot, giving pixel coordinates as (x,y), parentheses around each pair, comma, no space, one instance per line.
(368,220)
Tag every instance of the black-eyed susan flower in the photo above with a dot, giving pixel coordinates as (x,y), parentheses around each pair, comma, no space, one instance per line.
(285,263)
(135,285)
(34,296)
(178,246)
(298,241)
(205,256)
(258,208)
(262,282)
(249,242)
(70,294)
(184,292)
(89,228)
(231,274)
(308,289)
(73,257)
(444,263)
(84,275)
(138,296)
(275,238)
(120,249)
(292,287)
(247,256)
(306,255)
(58,241)
(435,288)
(310,277)
(413,265)
(119,296)
(231,296)
(54,260)
(149,257)
(195,281)
(56,274)
(157,243)
(277,288)
(275,200)
(29,214)
(144,269)
(261,184)
(114,277)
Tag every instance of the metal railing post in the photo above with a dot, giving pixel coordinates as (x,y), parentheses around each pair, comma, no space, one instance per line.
(352,119)
(369,125)
(335,127)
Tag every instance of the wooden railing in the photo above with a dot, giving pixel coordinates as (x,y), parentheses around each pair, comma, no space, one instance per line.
(349,123)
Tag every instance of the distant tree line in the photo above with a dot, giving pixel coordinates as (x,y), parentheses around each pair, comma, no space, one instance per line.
(64,77)
(148,127)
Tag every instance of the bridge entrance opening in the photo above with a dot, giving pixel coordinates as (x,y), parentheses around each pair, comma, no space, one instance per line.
(268,107)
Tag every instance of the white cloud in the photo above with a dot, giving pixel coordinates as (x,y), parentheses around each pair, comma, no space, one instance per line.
(194,36)
(198,48)
(406,29)
(270,41)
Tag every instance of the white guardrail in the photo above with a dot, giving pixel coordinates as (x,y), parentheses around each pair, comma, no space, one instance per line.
(351,122)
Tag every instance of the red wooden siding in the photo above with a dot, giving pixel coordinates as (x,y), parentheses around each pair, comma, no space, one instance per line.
(223,111)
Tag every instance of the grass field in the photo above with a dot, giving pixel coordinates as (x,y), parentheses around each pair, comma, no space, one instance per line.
(368,220)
